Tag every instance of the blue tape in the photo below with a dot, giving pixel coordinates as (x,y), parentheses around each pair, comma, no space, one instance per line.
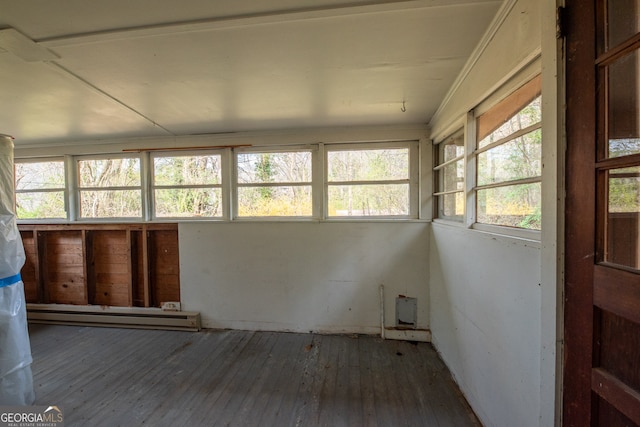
(7,281)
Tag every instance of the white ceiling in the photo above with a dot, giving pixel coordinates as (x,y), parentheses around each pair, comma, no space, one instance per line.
(102,69)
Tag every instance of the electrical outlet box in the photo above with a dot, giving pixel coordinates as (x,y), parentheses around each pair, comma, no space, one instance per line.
(170,306)
(406,312)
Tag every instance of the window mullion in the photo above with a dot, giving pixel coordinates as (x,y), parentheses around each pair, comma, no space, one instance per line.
(275,184)
(470,173)
(379,182)
(448,162)
(233,178)
(317,183)
(227,182)
(509,138)
(414,180)
(114,188)
(444,193)
(72,196)
(522,181)
(40,190)
(148,200)
(325,182)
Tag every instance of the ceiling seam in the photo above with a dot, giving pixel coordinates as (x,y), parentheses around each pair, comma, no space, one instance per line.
(248,20)
(95,88)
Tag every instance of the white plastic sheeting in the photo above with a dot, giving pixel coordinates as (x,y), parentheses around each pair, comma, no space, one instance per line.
(16,380)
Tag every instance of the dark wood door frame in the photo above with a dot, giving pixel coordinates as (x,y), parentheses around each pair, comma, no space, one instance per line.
(580,205)
(601,369)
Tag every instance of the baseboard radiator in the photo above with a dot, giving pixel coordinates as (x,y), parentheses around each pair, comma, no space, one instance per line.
(118,317)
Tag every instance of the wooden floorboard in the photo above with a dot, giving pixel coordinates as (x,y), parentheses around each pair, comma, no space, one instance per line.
(129,377)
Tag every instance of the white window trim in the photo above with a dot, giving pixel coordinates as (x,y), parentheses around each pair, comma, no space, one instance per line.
(460,131)
(472,152)
(413,179)
(79,189)
(150,177)
(470,176)
(522,233)
(311,148)
(64,190)
(419,182)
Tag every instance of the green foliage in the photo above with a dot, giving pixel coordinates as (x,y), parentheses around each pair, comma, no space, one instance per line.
(40,188)
(40,205)
(284,201)
(624,190)
(111,188)
(512,204)
(533,220)
(264,173)
(363,199)
(270,184)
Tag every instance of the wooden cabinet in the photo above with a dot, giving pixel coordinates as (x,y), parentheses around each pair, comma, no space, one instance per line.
(122,265)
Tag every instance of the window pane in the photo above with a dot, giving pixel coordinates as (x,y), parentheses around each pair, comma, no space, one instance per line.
(451,206)
(624,112)
(109,172)
(368,200)
(513,206)
(451,148)
(259,168)
(623,215)
(187,170)
(41,205)
(517,159)
(623,22)
(368,165)
(624,190)
(275,201)
(40,175)
(111,204)
(528,116)
(188,202)
(452,177)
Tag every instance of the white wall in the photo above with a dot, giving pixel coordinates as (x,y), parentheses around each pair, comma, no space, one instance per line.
(493,316)
(295,276)
(485,320)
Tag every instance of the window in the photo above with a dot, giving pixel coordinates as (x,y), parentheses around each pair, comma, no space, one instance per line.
(187,186)
(274,183)
(449,177)
(508,155)
(315,181)
(40,189)
(110,187)
(371,180)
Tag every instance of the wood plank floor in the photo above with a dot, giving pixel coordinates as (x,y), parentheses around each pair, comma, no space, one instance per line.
(130,377)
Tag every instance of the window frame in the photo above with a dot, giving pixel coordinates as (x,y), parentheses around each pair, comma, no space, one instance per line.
(187,153)
(438,179)
(418,182)
(64,190)
(474,116)
(142,188)
(412,180)
(312,149)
